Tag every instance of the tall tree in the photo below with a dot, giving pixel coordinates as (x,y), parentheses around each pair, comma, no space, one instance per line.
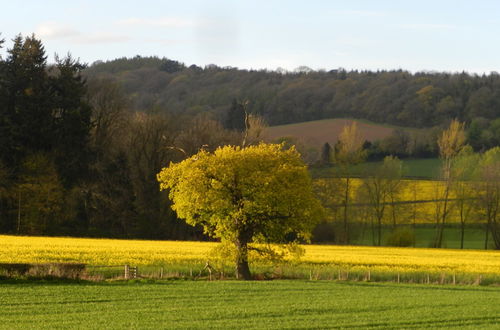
(348,152)
(489,193)
(72,120)
(326,154)
(450,143)
(236,116)
(380,188)
(148,145)
(25,113)
(463,170)
(258,194)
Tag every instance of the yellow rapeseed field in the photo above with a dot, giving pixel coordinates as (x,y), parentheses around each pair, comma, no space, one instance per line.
(23,249)
(411,190)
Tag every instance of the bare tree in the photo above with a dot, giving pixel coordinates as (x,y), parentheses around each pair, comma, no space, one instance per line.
(109,105)
(203,132)
(450,143)
(348,152)
(381,189)
(464,171)
(489,193)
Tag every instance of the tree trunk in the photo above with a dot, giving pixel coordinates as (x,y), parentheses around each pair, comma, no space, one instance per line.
(462,235)
(379,230)
(346,202)
(486,236)
(242,268)
(462,224)
(495,233)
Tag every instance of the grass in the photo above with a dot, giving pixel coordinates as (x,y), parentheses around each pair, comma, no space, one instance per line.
(246,305)
(425,168)
(422,168)
(425,234)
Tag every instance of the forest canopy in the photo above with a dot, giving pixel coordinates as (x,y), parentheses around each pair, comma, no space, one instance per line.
(421,99)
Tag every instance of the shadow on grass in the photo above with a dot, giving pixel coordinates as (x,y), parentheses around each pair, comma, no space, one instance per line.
(52,280)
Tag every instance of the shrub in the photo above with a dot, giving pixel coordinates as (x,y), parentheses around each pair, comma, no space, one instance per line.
(59,270)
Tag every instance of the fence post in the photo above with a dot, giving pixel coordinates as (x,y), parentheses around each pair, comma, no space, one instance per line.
(454,281)
(126,272)
(161,272)
(133,272)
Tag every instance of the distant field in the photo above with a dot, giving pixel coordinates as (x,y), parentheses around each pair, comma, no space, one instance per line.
(424,237)
(316,133)
(426,168)
(246,305)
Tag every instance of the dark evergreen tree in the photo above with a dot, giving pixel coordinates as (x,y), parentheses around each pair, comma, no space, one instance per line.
(326,154)
(235,119)
(26,113)
(72,124)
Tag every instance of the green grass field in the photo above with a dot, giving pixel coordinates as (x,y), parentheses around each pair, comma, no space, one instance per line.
(425,234)
(425,168)
(246,305)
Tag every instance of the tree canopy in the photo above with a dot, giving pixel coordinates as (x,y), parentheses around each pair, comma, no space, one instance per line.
(258,194)
(421,99)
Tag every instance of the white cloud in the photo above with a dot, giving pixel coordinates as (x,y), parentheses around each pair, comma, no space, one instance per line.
(54,30)
(172,22)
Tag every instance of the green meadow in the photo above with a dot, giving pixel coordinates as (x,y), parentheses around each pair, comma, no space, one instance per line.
(245,305)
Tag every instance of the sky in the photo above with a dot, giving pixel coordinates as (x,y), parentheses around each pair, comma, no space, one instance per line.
(438,35)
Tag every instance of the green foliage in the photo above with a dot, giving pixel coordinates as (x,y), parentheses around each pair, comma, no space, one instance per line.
(396,97)
(259,194)
(263,188)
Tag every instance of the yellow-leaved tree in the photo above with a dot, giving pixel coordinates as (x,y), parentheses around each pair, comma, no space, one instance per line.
(258,194)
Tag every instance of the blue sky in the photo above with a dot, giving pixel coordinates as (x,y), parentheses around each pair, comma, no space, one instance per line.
(437,35)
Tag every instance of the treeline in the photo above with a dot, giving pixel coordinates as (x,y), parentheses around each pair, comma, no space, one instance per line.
(81,147)
(76,159)
(422,99)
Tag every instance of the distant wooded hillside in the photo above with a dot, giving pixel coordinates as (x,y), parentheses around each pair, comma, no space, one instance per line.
(393,97)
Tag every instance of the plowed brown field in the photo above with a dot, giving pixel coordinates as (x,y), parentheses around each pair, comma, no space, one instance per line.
(316,133)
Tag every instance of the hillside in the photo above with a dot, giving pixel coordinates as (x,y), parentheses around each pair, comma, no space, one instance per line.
(317,133)
(397,97)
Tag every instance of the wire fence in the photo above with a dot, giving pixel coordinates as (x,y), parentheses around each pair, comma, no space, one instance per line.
(210,273)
